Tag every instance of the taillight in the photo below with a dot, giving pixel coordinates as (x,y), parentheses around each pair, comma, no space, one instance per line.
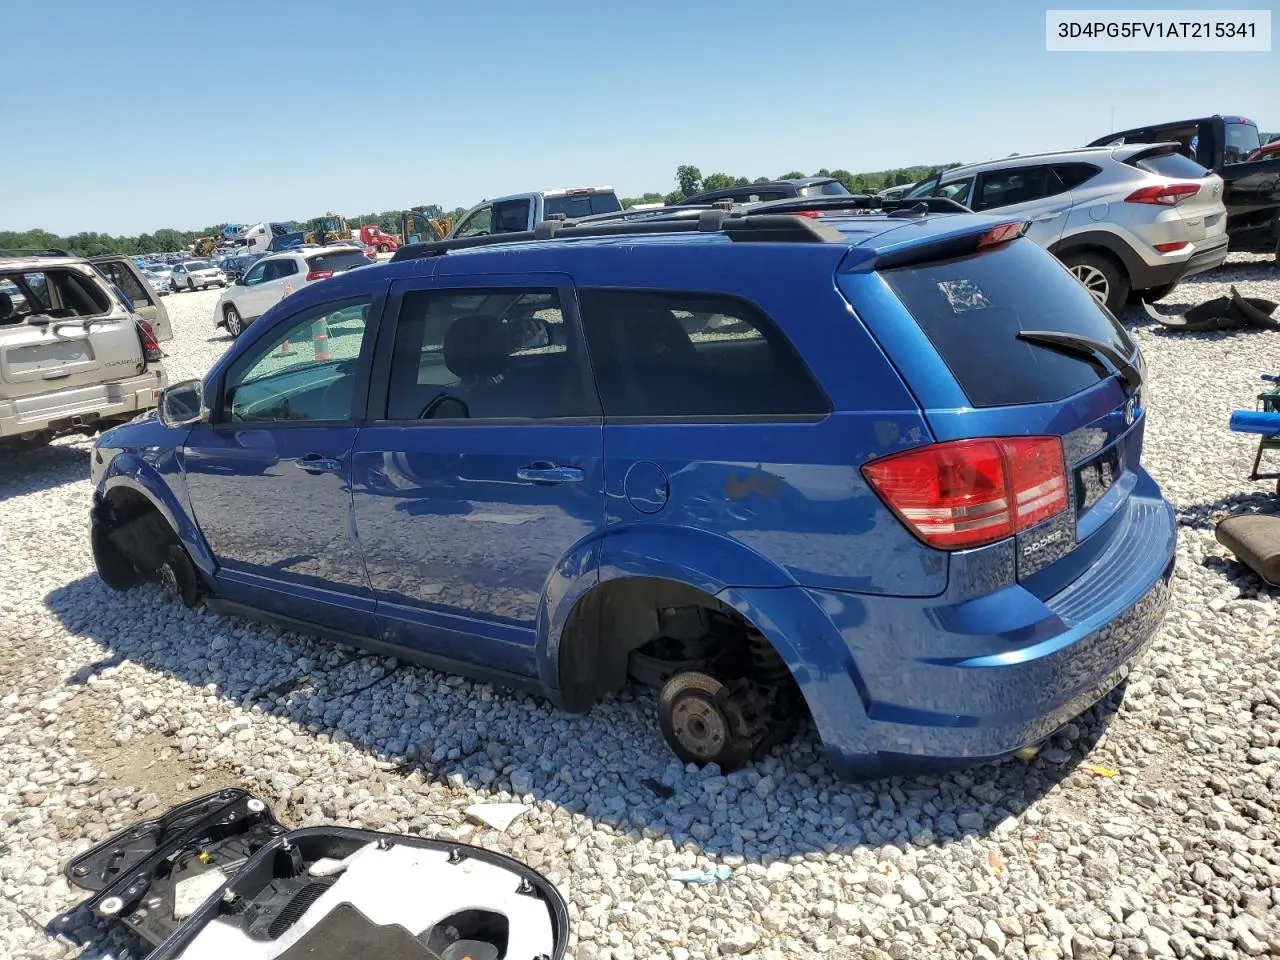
(319,275)
(1172,247)
(1003,233)
(1165,194)
(812,214)
(150,345)
(966,493)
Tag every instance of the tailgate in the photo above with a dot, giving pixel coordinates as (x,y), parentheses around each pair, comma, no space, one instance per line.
(67,353)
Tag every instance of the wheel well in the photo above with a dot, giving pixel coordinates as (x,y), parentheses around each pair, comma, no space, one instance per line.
(136,527)
(1103,252)
(618,618)
(229,306)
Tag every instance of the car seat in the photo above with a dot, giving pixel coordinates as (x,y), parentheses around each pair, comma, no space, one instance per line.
(477,350)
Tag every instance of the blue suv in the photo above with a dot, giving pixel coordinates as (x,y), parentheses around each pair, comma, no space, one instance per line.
(877,468)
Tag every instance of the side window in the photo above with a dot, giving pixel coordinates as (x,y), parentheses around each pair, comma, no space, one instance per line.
(304,371)
(286,268)
(693,355)
(1006,187)
(38,297)
(1073,175)
(494,354)
(256,275)
(957,191)
(125,279)
(511,216)
(478,224)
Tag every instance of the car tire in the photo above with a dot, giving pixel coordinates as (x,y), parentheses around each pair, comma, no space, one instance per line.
(114,569)
(233,321)
(177,575)
(191,286)
(696,724)
(1102,276)
(1152,295)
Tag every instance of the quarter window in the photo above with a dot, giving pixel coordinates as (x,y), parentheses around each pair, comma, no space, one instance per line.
(497,354)
(304,372)
(693,355)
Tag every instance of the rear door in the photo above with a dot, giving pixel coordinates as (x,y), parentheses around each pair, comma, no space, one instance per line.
(971,310)
(1033,193)
(74,335)
(146,303)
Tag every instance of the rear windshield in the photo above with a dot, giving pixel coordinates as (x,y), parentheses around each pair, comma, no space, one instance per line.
(973,308)
(1172,165)
(583,205)
(1242,140)
(833,189)
(342,260)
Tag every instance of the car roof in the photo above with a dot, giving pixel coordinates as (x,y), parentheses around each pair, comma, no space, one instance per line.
(16,262)
(1023,158)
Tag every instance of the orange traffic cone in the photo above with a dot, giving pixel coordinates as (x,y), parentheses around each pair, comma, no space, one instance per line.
(320,339)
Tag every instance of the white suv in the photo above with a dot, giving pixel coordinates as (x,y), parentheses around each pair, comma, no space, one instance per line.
(1131,219)
(273,278)
(196,275)
(73,357)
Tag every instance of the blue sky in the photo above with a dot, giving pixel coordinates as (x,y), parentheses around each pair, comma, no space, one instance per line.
(147,116)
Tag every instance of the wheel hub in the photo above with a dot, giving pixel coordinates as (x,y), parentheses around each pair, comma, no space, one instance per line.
(699,726)
(1094,280)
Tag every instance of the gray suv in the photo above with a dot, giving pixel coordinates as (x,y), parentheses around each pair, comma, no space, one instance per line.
(1125,220)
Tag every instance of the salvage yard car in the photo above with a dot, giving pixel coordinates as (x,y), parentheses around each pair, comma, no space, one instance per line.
(1126,220)
(521,211)
(275,277)
(74,358)
(570,457)
(196,275)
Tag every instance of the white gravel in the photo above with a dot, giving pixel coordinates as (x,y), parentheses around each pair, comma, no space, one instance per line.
(113,706)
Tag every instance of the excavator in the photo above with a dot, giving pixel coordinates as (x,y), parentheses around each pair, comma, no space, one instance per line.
(417,227)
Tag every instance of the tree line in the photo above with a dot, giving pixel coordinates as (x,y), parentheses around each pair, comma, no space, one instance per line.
(689,180)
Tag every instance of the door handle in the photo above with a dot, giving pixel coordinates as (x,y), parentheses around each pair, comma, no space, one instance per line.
(1044,217)
(314,463)
(543,472)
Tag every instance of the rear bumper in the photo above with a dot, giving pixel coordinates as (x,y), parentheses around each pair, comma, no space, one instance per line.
(79,408)
(1209,253)
(949,682)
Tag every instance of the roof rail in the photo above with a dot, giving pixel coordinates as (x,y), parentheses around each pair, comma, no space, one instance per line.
(739,226)
(866,202)
(33,252)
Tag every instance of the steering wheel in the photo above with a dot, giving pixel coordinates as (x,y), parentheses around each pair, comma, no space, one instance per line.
(441,398)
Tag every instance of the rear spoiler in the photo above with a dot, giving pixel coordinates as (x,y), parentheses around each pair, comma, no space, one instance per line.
(1132,152)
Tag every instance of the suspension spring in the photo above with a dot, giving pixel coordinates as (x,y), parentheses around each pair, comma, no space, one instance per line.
(767,666)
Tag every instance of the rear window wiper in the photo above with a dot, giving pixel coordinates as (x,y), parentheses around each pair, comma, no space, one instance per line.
(1087,348)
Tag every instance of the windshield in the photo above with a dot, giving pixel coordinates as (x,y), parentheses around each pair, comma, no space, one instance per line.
(583,204)
(1242,140)
(924,188)
(973,308)
(832,189)
(199,265)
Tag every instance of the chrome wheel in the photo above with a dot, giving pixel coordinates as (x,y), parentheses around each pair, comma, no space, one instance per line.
(1094,280)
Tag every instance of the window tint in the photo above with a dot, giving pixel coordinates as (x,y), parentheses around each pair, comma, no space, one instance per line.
(1006,187)
(833,189)
(129,284)
(1073,175)
(583,204)
(693,355)
(257,274)
(958,191)
(506,354)
(1172,165)
(972,308)
(305,370)
(511,216)
(1242,140)
(337,262)
(476,225)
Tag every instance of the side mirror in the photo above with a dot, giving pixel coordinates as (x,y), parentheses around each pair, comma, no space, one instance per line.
(182,404)
(240,280)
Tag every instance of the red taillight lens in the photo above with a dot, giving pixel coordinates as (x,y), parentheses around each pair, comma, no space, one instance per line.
(1166,194)
(812,214)
(966,493)
(1172,247)
(1002,234)
(319,275)
(150,345)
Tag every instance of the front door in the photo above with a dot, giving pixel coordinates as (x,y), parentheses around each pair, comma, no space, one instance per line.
(480,474)
(269,478)
(1036,194)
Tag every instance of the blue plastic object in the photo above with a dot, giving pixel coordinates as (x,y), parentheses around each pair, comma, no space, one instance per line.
(1255,421)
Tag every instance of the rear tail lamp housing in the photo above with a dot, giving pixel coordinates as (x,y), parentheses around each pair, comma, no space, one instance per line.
(1164,194)
(968,493)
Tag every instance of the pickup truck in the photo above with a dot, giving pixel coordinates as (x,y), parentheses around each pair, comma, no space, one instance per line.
(522,211)
(1224,144)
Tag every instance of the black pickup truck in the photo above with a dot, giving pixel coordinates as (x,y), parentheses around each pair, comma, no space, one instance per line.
(1223,144)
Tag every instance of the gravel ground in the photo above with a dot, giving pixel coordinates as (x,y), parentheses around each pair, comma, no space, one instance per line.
(1147,828)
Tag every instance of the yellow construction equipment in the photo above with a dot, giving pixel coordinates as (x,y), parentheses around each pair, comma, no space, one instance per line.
(327,229)
(204,246)
(417,227)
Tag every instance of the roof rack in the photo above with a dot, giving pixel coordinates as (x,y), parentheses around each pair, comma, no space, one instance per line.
(739,226)
(32,252)
(871,203)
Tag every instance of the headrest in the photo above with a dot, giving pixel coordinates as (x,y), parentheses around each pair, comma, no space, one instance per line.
(477,346)
(6,306)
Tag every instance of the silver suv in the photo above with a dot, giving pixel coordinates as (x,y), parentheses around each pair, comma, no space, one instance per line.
(1125,220)
(74,358)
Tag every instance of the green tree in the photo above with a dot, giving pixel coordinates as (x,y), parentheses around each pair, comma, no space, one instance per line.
(689,178)
(717,181)
(793,175)
(846,178)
